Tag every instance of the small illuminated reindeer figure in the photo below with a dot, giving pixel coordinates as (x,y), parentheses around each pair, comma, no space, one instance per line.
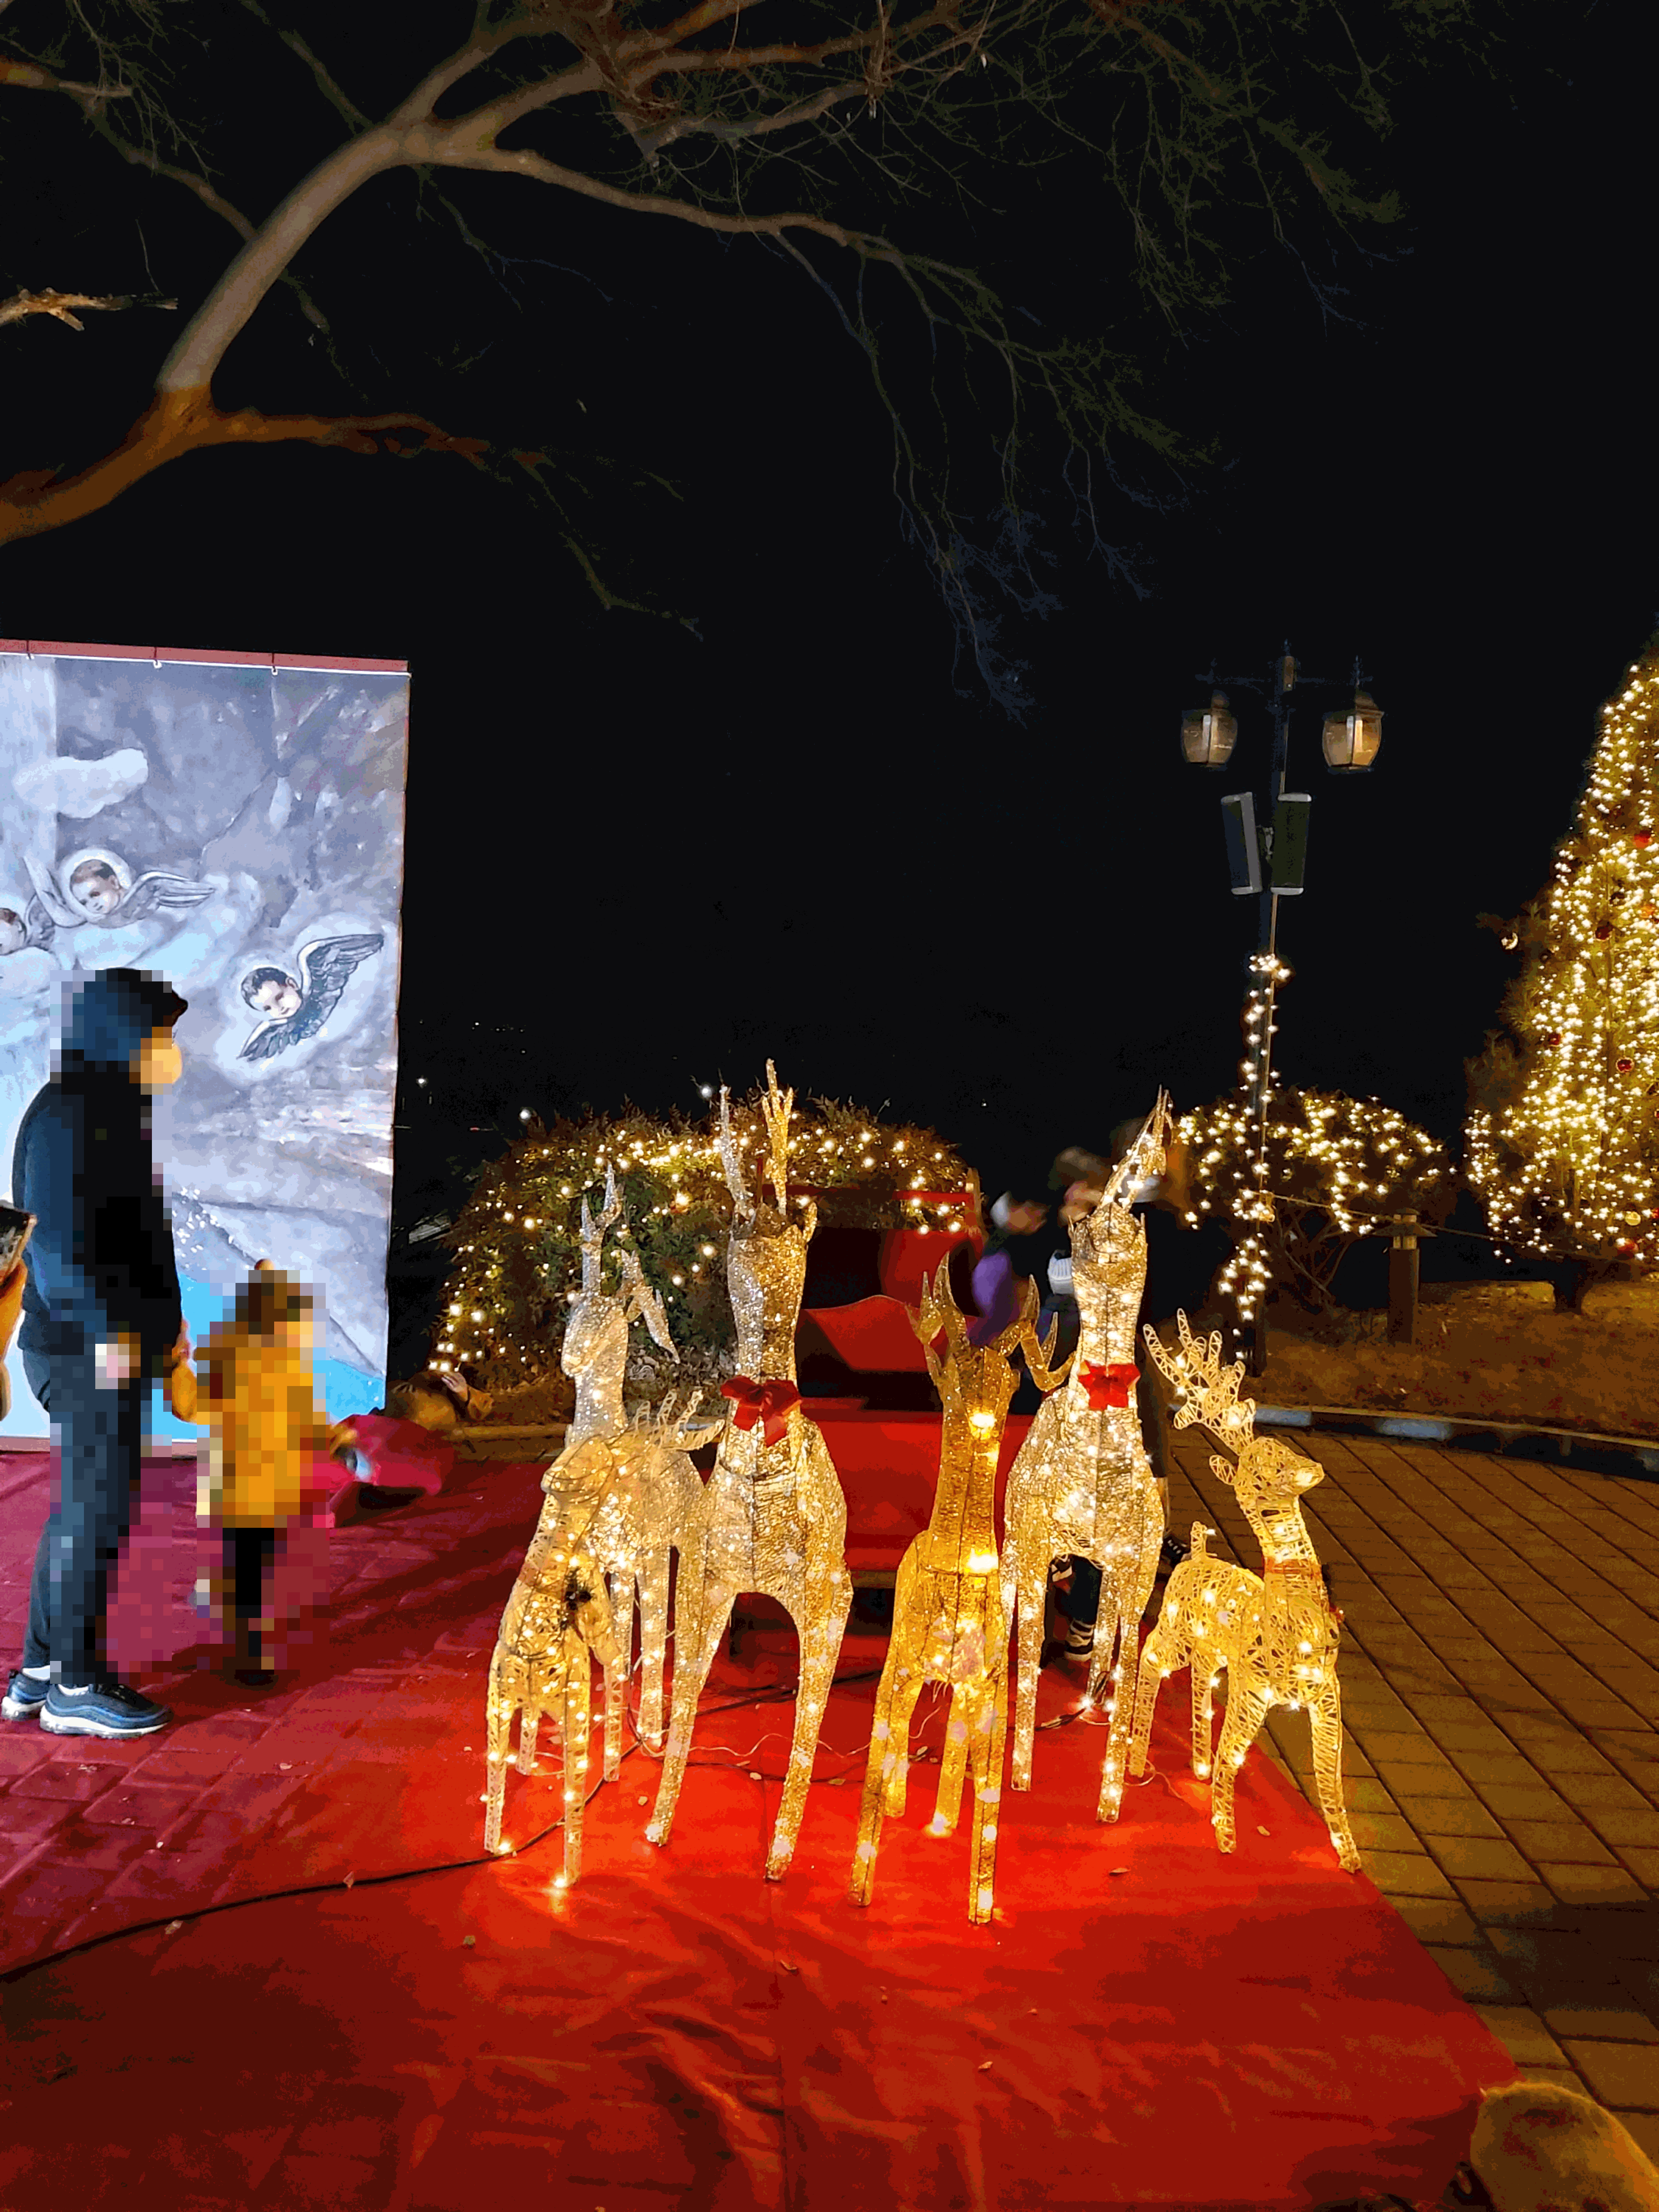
(557,1621)
(949,1621)
(1275,1633)
(774,1517)
(649,1491)
(1082,1484)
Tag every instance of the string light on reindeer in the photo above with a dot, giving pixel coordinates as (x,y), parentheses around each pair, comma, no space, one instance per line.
(950,1620)
(1276,1633)
(772,1518)
(1082,1484)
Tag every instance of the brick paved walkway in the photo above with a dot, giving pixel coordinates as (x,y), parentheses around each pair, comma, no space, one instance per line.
(1500,1692)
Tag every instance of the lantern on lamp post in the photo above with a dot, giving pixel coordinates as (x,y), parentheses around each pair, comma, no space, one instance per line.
(1351,741)
(1208,734)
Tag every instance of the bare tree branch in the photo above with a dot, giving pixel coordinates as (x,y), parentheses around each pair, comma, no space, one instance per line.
(208,197)
(59,305)
(176,423)
(30,78)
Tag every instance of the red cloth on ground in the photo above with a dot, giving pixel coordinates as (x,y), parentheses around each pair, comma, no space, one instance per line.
(402,1455)
(1198,2030)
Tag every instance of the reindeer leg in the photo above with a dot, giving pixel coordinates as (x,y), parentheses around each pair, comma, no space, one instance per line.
(621,1580)
(1201,1683)
(886,1761)
(986,1742)
(498,1731)
(1248,1700)
(1120,1737)
(820,1648)
(693,1658)
(1032,1603)
(1149,1681)
(1326,1719)
(953,1763)
(578,1724)
(653,1630)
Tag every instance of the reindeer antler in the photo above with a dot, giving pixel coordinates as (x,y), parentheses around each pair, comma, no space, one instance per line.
(642,1301)
(1152,1137)
(740,1198)
(1038,1354)
(1213,1401)
(593,1231)
(938,1311)
(776,1108)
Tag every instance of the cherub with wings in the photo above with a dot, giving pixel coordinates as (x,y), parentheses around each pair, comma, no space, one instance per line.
(297,1009)
(102,890)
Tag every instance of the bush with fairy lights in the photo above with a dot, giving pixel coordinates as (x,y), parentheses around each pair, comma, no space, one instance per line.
(1336,1166)
(1562,1131)
(517,1243)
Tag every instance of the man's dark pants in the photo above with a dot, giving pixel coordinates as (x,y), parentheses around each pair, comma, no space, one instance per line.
(95,1471)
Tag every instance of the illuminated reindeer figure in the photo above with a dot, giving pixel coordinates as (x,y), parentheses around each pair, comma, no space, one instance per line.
(557,1621)
(649,1493)
(1276,1633)
(772,1518)
(1082,1484)
(949,1621)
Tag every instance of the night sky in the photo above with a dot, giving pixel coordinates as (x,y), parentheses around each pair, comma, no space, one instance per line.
(641,859)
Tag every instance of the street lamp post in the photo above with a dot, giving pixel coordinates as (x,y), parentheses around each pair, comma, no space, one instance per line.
(1268,859)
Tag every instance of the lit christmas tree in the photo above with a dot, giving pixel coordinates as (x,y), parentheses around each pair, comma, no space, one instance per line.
(1563,1132)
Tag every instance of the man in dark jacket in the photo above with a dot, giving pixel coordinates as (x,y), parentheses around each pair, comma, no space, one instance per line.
(101,1320)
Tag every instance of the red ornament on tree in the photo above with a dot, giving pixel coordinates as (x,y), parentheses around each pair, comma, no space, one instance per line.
(1625,1065)
(1603,931)
(1641,840)
(1554,1037)
(1625,1248)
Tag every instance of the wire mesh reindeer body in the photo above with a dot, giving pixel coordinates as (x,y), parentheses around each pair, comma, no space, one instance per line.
(1276,1633)
(1082,1486)
(647,1491)
(557,1622)
(950,1625)
(772,1518)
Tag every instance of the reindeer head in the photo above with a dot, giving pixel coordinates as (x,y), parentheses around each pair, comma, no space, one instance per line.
(1147,1157)
(1265,1471)
(598,1325)
(587,1611)
(766,1267)
(593,1231)
(979,1377)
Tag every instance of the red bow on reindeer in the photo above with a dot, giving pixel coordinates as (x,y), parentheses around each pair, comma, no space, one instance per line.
(1109,1386)
(762,1401)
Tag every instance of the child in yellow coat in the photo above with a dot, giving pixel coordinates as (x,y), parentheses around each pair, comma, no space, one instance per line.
(258,1399)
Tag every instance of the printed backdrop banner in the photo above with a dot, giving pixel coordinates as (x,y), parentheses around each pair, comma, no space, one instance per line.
(234,823)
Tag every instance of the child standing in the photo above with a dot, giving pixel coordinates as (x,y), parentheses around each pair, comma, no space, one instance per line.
(260,1404)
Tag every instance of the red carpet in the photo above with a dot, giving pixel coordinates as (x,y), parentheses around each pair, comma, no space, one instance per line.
(1195,2030)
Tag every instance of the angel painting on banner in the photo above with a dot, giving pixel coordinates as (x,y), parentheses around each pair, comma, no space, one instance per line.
(97,888)
(297,1006)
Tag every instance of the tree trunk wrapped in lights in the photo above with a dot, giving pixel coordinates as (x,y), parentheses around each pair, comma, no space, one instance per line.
(1562,1131)
(1335,1167)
